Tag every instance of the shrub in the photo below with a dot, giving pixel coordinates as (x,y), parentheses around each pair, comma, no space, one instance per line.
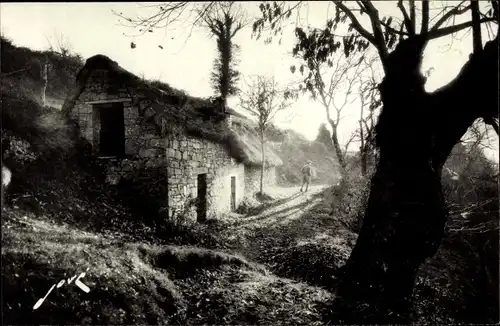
(47,133)
(18,150)
(183,215)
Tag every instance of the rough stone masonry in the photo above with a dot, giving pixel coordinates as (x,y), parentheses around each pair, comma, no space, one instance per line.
(166,167)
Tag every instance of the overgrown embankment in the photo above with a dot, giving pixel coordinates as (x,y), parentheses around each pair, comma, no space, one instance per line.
(309,238)
(61,221)
(137,282)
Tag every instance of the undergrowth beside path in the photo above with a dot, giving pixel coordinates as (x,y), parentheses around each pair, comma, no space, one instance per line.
(295,235)
(138,282)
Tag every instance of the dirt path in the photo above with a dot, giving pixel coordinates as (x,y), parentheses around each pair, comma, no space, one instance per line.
(147,282)
(295,235)
(289,204)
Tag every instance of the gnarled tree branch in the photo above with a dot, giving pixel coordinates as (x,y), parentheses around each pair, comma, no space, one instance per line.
(455,28)
(476,27)
(392,30)
(425,17)
(407,20)
(377,31)
(453,12)
(413,20)
(356,24)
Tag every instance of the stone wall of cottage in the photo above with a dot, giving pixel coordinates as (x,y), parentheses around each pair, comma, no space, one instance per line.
(141,138)
(164,169)
(143,168)
(186,158)
(143,180)
(252,179)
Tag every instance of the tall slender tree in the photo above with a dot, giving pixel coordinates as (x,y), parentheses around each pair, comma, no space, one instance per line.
(331,83)
(263,100)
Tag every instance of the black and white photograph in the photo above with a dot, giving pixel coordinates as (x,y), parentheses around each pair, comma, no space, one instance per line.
(250,163)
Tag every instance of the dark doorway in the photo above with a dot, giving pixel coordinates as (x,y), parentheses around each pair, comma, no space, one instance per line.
(202,198)
(112,133)
(233,193)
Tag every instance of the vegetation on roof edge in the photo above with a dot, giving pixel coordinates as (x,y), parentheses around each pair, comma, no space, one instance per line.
(194,116)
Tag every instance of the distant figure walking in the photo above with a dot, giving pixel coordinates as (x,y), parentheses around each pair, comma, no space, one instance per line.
(306,175)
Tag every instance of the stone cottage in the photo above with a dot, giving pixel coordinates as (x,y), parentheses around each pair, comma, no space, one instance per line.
(183,151)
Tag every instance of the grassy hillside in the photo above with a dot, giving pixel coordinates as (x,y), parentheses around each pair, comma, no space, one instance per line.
(137,282)
(22,69)
(34,132)
(60,220)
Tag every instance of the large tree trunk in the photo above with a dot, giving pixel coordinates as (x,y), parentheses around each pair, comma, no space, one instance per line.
(405,216)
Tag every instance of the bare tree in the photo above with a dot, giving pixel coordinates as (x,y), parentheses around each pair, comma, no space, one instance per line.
(263,100)
(59,44)
(332,84)
(405,216)
(474,170)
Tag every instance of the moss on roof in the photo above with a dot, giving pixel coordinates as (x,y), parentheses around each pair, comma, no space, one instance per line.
(198,117)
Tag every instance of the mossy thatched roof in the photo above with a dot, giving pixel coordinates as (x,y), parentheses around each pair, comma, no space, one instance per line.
(196,116)
(249,139)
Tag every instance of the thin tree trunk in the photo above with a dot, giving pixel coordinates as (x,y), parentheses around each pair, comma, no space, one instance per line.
(263,163)
(45,81)
(404,220)
(6,179)
(476,26)
(335,141)
(362,149)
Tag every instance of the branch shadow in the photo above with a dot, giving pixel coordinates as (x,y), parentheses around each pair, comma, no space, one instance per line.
(309,247)
(273,214)
(270,205)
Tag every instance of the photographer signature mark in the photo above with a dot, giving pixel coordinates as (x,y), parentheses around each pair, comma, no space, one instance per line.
(78,283)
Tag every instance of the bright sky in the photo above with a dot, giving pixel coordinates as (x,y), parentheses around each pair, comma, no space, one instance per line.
(91,28)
